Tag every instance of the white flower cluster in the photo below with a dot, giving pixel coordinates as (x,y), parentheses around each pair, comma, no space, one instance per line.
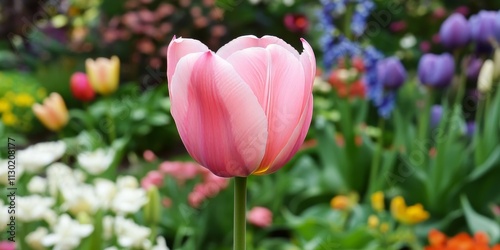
(63,201)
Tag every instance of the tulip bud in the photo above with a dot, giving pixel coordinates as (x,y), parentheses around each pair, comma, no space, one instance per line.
(391,72)
(53,113)
(152,209)
(496,60)
(473,68)
(484,27)
(485,79)
(340,202)
(260,217)
(454,32)
(103,74)
(436,70)
(80,87)
(7,245)
(436,114)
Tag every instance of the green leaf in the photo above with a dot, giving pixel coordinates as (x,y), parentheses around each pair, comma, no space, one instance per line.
(478,222)
(484,168)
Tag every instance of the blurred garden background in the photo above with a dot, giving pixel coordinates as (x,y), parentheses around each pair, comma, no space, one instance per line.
(403,151)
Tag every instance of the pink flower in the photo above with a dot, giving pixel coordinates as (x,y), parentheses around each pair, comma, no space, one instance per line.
(260,217)
(153,178)
(81,88)
(7,245)
(149,156)
(245,109)
(181,171)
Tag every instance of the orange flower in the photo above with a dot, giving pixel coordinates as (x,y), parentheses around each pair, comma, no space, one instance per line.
(461,241)
(437,238)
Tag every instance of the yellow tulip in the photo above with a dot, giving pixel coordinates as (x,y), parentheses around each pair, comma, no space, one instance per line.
(53,113)
(377,200)
(103,74)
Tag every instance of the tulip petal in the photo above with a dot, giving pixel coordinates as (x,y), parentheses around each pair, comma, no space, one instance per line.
(295,141)
(279,88)
(244,42)
(308,61)
(212,105)
(178,48)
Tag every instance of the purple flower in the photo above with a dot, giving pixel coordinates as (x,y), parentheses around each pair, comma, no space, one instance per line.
(473,67)
(454,32)
(391,73)
(436,115)
(484,26)
(436,70)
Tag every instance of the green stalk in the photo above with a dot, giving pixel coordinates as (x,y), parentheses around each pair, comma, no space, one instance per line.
(110,124)
(240,200)
(376,159)
(424,121)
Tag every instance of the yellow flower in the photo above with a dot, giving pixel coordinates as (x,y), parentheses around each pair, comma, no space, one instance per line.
(24,100)
(340,202)
(407,215)
(377,200)
(103,74)
(53,113)
(9,119)
(373,221)
(384,227)
(5,106)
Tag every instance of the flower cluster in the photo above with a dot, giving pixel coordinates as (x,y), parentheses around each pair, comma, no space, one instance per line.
(71,202)
(181,172)
(439,241)
(17,93)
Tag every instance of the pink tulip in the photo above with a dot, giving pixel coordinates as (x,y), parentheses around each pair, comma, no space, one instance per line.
(245,109)
(149,156)
(81,88)
(260,217)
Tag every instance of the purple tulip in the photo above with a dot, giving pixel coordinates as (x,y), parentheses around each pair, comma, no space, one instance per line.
(473,67)
(454,32)
(436,115)
(484,26)
(436,70)
(391,72)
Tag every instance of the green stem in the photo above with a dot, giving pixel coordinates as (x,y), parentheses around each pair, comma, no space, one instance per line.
(377,159)
(424,122)
(240,200)
(110,124)
(347,21)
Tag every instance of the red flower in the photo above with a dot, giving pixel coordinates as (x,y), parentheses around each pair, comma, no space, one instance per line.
(297,23)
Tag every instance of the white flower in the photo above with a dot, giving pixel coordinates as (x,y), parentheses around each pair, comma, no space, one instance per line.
(130,234)
(34,239)
(127,181)
(80,199)
(60,176)
(408,41)
(4,172)
(37,185)
(96,162)
(37,156)
(33,208)
(161,244)
(67,234)
(485,79)
(105,191)
(496,60)
(129,200)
